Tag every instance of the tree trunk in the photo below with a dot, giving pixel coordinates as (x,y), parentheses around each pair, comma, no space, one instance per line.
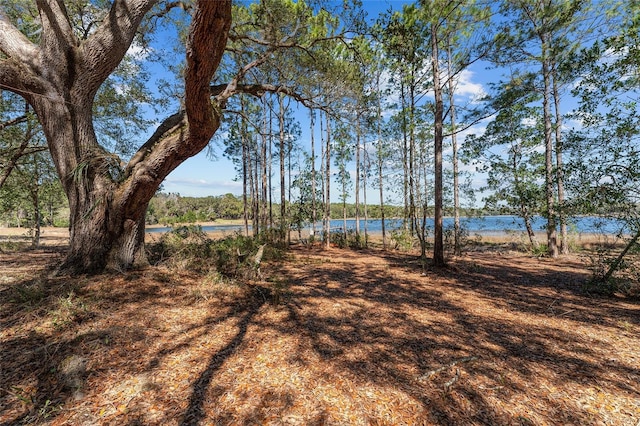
(59,78)
(438,244)
(457,243)
(246,168)
(263,169)
(283,205)
(564,239)
(529,228)
(618,260)
(365,210)
(344,211)
(357,189)
(327,207)
(405,159)
(524,211)
(314,210)
(552,243)
(412,158)
(35,201)
(380,164)
(270,167)
(253,184)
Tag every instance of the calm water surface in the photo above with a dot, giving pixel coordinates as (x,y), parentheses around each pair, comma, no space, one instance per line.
(484,225)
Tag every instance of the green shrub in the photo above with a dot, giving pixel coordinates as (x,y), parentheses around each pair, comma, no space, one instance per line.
(186,247)
(402,239)
(350,240)
(189,248)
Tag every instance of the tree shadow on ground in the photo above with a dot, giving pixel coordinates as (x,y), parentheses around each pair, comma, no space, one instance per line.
(195,412)
(103,322)
(403,326)
(472,344)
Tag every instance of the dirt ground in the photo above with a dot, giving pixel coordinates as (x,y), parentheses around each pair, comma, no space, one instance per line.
(335,337)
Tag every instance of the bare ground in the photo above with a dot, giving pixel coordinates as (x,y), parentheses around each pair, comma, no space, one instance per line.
(332,337)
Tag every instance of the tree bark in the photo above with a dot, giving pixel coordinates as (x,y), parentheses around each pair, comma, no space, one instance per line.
(380,163)
(327,206)
(438,243)
(59,78)
(284,227)
(246,169)
(562,216)
(552,241)
(457,237)
(314,212)
(357,192)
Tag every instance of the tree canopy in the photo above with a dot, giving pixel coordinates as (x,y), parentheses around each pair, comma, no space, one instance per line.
(383,94)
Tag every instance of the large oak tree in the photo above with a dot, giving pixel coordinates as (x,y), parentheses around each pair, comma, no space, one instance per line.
(60,74)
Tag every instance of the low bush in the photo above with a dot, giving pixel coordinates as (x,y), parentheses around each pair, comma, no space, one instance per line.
(190,248)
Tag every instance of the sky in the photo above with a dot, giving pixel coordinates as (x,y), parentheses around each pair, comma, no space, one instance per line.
(202,176)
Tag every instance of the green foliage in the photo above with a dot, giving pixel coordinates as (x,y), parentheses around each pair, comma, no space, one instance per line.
(509,152)
(233,257)
(616,273)
(29,294)
(30,192)
(348,240)
(402,239)
(186,247)
(169,209)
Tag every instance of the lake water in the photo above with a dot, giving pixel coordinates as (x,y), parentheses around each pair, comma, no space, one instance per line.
(485,225)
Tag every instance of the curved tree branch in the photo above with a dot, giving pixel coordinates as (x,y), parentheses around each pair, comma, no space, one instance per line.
(104,49)
(207,41)
(18,72)
(17,120)
(186,133)
(18,77)
(16,45)
(259,90)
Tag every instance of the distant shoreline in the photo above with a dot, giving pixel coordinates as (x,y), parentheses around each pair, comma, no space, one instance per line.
(224,227)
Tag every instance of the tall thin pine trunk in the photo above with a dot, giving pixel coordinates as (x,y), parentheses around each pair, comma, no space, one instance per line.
(314,212)
(438,243)
(327,221)
(564,241)
(270,166)
(552,243)
(245,169)
(283,205)
(380,165)
(357,189)
(457,244)
(364,191)
(263,169)
(405,159)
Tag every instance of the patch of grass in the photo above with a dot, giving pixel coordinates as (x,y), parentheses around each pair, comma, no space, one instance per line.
(69,309)
(233,257)
(402,240)
(279,290)
(11,246)
(541,250)
(30,294)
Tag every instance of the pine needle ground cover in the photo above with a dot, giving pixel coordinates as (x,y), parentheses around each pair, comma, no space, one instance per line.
(338,337)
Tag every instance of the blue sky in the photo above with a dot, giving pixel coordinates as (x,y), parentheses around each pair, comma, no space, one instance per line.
(202,176)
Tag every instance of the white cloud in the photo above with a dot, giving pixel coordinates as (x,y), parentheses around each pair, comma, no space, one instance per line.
(466,87)
(201,187)
(138,52)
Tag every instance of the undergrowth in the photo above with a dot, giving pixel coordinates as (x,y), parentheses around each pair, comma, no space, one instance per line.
(234,256)
(625,280)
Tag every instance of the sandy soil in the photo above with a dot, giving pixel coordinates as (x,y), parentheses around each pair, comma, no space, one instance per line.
(333,337)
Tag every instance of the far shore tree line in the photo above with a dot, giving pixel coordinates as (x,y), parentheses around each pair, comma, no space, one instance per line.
(173,209)
(388,101)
